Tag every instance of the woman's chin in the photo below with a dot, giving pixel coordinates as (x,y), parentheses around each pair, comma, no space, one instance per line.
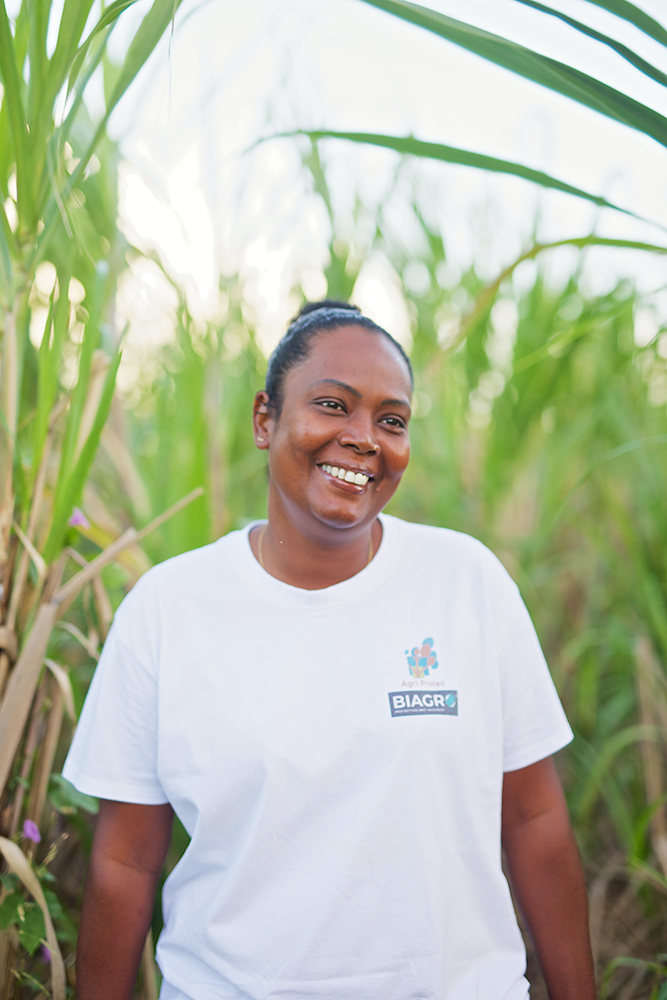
(344,515)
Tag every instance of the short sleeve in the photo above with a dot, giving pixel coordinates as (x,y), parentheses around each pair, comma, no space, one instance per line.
(534,723)
(114,751)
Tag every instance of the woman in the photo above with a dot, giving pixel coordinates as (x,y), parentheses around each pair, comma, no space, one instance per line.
(345,711)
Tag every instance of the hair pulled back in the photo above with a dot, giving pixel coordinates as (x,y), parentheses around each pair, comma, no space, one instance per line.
(312,319)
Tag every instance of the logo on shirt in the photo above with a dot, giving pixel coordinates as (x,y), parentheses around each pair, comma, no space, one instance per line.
(422,659)
(423,703)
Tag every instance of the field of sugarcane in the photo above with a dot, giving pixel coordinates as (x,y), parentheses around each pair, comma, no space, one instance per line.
(540,427)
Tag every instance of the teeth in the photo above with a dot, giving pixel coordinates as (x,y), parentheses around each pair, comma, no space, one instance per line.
(349,477)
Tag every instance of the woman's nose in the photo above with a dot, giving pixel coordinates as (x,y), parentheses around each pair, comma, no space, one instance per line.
(359,434)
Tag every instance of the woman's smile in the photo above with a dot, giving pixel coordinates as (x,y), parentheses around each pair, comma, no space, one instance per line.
(347,475)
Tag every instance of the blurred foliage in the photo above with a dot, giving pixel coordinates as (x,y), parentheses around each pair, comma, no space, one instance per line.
(61,253)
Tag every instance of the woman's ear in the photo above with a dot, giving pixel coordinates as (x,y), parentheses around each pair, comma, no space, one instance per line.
(261,420)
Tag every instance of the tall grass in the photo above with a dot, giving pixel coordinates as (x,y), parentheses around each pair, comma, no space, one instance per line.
(60,255)
(550,73)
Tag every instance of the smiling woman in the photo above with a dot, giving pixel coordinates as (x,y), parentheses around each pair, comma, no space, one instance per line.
(334,419)
(349,714)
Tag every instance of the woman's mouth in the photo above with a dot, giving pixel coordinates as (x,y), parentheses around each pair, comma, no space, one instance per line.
(346,475)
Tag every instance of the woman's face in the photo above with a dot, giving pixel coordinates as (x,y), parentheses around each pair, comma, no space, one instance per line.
(340,445)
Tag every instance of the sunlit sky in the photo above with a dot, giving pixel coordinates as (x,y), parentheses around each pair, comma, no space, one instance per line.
(232,72)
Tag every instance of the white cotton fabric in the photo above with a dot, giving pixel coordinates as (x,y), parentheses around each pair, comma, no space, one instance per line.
(338,852)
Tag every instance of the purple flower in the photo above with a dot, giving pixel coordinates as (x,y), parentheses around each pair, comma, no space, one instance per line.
(78,519)
(44,954)
(31,831)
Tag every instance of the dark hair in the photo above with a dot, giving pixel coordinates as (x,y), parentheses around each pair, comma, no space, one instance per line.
(294,347)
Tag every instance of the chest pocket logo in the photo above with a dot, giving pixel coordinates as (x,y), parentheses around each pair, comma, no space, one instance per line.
(422,660)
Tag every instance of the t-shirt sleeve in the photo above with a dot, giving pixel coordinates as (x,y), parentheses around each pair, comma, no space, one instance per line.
(114,751)
(534,723)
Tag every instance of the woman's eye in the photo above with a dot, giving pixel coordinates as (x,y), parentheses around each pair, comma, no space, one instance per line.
(394,422)
(330,404)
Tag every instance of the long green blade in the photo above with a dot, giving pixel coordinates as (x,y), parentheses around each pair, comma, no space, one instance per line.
(6,241)
(109,16)
(148,35)
(486,298)
(76,479)
(640,19)
(151,30)
(39,21)
(584,29)
(49,360)
(10,75)
(541,69)
(89,343)
(72,22)
(450,154)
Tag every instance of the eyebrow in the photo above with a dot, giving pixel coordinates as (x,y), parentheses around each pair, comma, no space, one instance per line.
(359,395)
(342,385)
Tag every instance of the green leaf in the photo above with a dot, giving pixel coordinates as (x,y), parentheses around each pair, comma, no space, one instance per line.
(6,239)
(72,22)
(66,799)
(651,441)
(410,146)
(628,12)
(38,109)
(78,477)
(13,89)
(54,904)
(148,35)
(108,18)
(9,881)
(71,482)
(90,341)
(598,772)
(32,930)
(541,69)
(48,361)
(584,29)
(9,908)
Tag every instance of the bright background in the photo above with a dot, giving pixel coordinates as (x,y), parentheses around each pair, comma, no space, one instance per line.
(197,189)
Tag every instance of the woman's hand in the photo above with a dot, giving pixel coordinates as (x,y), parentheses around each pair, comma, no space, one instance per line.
(547,878)
(129,850)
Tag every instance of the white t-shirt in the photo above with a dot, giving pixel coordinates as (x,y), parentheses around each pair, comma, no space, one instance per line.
(337,757)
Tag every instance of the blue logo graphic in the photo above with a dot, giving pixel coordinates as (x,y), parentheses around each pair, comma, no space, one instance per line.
(422,659)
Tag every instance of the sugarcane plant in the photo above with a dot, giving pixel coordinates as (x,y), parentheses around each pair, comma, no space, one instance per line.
(541,69)
(60,257)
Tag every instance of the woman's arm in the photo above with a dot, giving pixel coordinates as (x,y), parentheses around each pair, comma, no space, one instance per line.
(129,850)
(547,878)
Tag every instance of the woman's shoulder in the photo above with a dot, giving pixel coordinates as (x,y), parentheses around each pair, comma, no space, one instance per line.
(453,549)
(414,533)
(189,573)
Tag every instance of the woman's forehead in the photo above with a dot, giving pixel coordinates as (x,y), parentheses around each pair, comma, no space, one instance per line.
(355,356)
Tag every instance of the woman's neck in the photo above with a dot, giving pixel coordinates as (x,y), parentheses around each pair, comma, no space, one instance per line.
(313,562)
